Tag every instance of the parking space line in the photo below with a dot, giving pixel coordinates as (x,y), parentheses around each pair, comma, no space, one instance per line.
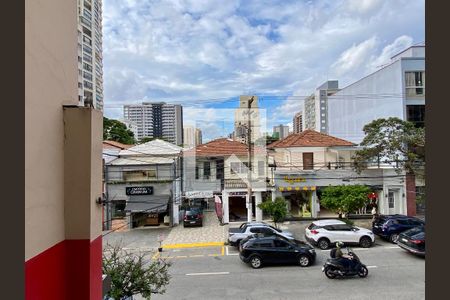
(213,254)
(197,255)
(371,267)
(193,245)
(156,255)
(226,250)
(223,250)
(181,256)
(212,273)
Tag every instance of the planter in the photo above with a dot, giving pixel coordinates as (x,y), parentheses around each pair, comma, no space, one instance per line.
(166,220)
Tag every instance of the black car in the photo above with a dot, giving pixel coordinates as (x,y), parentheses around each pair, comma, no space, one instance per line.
(193,216)
(260,251)
(413,240)
(390,226)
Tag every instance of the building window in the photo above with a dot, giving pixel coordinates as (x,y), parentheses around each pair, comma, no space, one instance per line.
(416,114)
(415,84)
(391,199)
(206,169)
(308,161)
(197,172)
(238,167)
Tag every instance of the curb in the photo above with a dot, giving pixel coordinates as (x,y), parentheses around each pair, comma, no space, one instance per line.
(192,245)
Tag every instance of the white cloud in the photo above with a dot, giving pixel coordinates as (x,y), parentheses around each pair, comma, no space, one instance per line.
(354,57)
(400,43)
(200,50)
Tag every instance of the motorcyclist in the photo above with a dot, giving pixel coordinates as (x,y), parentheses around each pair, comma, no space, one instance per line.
(344,259)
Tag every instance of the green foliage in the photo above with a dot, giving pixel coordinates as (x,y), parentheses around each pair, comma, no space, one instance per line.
(131,274)
(114,130)
(344,199)
(393,141)
(277,209)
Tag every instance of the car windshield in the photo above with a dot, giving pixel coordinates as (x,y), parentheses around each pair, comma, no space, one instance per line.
(276,229)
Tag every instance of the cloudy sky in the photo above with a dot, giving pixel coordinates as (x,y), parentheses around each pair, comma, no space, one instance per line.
(207,53)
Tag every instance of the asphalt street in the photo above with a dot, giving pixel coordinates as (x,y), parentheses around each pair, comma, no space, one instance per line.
(209,274)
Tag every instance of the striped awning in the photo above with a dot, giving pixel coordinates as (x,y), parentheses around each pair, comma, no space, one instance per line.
(296,188)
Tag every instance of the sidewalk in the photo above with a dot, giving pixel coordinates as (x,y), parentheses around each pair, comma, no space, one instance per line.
(210,234)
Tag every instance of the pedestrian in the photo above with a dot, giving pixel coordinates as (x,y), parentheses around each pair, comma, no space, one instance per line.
(374,211)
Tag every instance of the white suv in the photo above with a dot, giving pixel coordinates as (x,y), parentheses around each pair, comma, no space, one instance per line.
(324,233)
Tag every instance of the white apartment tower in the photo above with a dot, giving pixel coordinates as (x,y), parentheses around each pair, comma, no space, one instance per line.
(156,120)
(191,136)
(315,107)
(281,130)
(90,66)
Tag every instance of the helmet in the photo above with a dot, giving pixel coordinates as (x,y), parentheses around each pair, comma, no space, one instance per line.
(339,244)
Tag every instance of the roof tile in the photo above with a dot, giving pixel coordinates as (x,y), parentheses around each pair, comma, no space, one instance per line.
(310,138)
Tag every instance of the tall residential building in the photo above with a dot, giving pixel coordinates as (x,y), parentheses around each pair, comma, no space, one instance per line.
(241,120)
(157,120)
(191,136)
(298,122)
(90,65)
(282,131)
(396,90)
(315,107)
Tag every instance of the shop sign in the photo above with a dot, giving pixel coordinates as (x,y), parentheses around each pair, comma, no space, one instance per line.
(237,193)
(139,190)
(293,179)
(198,194)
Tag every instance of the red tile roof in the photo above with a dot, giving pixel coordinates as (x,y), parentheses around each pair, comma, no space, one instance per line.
(310,138)
(221,147)
(115,145)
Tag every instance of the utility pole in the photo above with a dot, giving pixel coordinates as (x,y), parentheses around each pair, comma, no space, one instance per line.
(249,169)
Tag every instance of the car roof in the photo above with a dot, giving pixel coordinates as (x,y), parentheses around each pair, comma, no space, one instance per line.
(328,222)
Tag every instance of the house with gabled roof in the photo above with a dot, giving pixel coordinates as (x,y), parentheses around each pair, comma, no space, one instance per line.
(307,162)
(220,167)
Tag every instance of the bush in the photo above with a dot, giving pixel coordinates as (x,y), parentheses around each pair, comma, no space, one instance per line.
(344,199)
(277,209)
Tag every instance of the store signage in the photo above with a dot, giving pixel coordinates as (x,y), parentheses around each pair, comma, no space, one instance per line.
(139,190)
(292,180)
(198,194)
(237,193)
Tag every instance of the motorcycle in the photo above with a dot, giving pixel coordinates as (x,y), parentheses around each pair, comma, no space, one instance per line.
(333,267)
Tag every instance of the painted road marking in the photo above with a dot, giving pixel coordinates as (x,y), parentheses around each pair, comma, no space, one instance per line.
(226,250)
(371,267)
(193,245)
(198,255)
(156,255)
(213,254)
(223,250)
(212,273)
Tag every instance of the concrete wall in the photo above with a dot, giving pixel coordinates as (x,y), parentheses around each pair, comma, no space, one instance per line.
(51,82)
(378,95)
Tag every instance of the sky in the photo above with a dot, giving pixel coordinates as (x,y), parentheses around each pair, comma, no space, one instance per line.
(204,54)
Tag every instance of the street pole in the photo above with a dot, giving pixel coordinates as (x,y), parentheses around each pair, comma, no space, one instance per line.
(249,169)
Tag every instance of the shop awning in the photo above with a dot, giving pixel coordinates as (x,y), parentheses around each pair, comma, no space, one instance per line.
(296,188)
(147,204)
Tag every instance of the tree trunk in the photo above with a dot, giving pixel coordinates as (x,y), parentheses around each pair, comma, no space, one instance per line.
(410,185)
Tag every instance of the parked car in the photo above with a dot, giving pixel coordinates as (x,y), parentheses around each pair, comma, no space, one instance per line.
(324,233)
(276,250)
(413,240)
(390,226)
(236,235)
(193,216)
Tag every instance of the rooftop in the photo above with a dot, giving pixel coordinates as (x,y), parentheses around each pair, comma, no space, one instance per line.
(155,147)
(310,138)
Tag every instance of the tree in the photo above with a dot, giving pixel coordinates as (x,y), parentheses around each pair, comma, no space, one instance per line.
(344,199)
(277,209)
(395,142)
(114,130)
(130,274)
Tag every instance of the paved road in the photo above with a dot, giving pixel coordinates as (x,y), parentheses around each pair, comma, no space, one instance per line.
(207,274)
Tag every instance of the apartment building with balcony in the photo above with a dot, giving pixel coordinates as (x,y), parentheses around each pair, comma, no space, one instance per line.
(90,54)
(297,122)
(156,120)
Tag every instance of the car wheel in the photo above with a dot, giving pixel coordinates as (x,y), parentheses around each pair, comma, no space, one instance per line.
(393,238)
(303,260)
(238,242)
(323,243)
(255,262)
(365,242)
(363,272)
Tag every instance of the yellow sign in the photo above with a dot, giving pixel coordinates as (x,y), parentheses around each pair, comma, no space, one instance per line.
(292,180)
